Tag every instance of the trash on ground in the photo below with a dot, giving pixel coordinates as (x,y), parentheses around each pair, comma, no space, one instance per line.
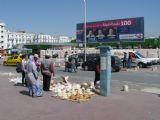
(16,80)
(72,92)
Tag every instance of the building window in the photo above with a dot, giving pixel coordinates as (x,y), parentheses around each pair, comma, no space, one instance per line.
(2,36)
(1,31)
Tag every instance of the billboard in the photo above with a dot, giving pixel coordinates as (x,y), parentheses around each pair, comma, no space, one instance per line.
(127,30)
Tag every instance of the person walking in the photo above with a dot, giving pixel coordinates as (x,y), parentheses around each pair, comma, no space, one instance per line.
(47,70)
(97,73)
(73,64)
(23,63)
(33,81)
(76,59)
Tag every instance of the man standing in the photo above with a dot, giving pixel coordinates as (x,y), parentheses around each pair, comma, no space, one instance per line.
(47,70)
(130,59)
(24,83)
(66,61)
(125,60)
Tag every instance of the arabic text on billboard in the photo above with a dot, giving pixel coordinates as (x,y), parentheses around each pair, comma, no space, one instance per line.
(130,30)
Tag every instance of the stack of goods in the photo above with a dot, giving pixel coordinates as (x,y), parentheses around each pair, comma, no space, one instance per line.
(17,80)
(73,92)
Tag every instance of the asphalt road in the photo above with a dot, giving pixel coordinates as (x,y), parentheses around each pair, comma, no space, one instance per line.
(136,79)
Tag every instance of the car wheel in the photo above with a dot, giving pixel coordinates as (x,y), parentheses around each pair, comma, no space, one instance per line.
(4,63)
(141,65)
(86,68)
(117,70)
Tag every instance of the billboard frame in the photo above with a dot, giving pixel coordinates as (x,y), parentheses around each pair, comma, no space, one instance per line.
(135,30)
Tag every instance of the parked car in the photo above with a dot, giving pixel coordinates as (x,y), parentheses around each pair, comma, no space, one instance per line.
(88,56)
(90,64)
(55,55)
(12,60)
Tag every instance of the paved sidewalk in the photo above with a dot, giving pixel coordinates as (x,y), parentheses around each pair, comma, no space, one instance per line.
(134,105)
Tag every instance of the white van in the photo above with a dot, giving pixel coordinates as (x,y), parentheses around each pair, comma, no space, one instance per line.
(139,58)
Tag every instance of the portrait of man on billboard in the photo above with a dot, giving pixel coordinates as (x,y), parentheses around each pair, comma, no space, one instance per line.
(111,33)
(100,35)
(91,37)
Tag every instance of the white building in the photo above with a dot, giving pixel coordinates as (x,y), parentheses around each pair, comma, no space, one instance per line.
(3,36)
(22,37)
(12,39)
(63,39)
(19,37)
(43,38)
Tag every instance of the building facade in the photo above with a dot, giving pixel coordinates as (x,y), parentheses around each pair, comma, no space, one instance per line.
(10,40)
(22,38)
(3,36)
(19,37)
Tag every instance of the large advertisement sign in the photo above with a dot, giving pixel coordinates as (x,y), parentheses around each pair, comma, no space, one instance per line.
(127,30)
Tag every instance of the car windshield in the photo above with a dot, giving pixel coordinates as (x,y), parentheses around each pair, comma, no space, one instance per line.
(15,57)
(139,54)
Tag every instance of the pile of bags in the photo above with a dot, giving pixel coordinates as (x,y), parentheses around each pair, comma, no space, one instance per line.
(73,92)
(17,80)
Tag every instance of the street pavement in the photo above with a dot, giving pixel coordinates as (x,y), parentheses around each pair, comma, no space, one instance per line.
(15,104)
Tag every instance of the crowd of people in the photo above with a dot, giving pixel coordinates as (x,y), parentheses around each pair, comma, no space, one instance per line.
(31,69)
(127,61)
(71,62)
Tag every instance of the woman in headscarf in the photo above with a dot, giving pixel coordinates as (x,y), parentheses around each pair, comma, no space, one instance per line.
(37,62)
(34,86)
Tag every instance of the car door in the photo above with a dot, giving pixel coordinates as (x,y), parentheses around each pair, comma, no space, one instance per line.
(14,61)
(9,60)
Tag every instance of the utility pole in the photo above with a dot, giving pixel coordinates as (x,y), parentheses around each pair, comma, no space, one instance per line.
(85,15)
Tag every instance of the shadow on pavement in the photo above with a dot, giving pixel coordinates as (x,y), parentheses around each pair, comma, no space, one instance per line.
(24,92)
(18,84)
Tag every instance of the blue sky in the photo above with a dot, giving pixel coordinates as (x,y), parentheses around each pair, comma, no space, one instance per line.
(59,17)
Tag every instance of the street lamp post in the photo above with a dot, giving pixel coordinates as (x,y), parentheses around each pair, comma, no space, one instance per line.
(85,14)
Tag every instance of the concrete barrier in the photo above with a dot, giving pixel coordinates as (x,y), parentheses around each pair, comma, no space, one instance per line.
(146,52)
